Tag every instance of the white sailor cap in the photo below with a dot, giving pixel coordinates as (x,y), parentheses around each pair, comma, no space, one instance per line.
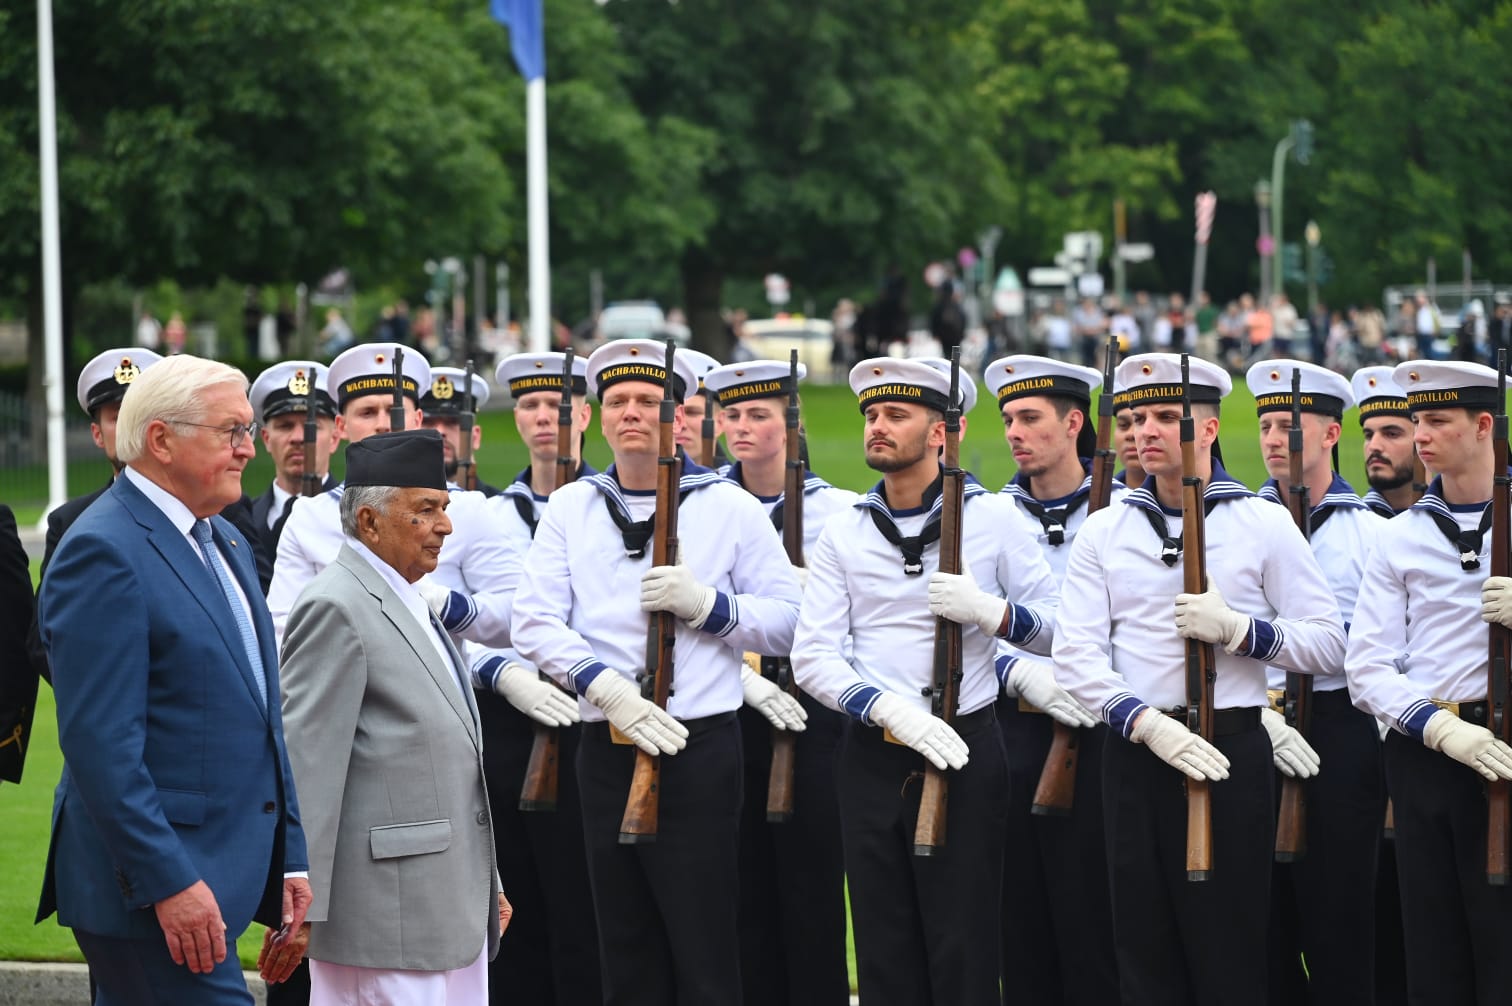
(888,379)
(368,369)
(742,382)
(701,363)
(285,387)
(1022,376)
(1378,393)
(640,360)
(446,395)
(1323,391)
(968,385)
(1447,384)
(524,373)
(106,377)
(1155,378)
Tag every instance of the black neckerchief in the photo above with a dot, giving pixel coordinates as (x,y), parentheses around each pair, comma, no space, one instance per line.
(636,534)
(1466,543)
(1052,520)
(912,548)
(811,482)
(1221,487)
(524,496)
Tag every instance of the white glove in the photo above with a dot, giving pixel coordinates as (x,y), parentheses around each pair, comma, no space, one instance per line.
(785,712)
(926,733)
(1289,749)
(957,597)
(1034,681)
(1208,617)
(1465,742)
(540,700)
(650,726)
(675,589)
(1496,600)
(1178,747)
(801,572)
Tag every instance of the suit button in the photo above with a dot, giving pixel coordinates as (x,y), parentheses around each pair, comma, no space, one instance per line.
(269,807)
(482,817)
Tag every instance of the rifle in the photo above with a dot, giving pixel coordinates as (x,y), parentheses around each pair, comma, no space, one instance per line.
(639,824)
(396,410)
(1291,822)
(467,470)
(539,790)
(309,479)
(780,782)
(1056,792)
(1201,661)
(945,689)
(706,449)
(1499,794)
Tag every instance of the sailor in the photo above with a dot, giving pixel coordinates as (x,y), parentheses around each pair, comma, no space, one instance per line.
(443,405)
(1418,655)
(1392,467)
(1121,653)
(1323,903)
(926,927)
(792,872)
(667,909)
(280,397)
(1057,922)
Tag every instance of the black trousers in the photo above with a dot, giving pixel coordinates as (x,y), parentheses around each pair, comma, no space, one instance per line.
(1057,915)
(926,927)
(1323,905)
(1390,948)
(1183,942)
(667,909)
(549,953)
(792,874)
(1458,928)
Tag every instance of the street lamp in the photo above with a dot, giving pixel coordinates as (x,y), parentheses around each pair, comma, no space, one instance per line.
(1314,236)
(1265,245)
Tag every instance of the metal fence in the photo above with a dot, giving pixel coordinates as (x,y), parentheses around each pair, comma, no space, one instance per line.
(23,457)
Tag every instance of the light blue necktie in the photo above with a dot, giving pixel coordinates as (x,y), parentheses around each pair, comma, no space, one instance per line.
(206,539)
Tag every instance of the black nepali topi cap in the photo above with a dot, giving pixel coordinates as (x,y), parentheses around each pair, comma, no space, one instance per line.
(408,459)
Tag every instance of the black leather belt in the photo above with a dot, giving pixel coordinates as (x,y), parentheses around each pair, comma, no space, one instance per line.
(1477,711)
(1226,722)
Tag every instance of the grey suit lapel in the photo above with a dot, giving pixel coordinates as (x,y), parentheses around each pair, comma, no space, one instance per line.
(413,632)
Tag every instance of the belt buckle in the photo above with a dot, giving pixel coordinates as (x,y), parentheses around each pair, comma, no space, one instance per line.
(1277,699)
(1453,707)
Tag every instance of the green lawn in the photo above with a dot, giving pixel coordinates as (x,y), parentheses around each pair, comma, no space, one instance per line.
(834,426)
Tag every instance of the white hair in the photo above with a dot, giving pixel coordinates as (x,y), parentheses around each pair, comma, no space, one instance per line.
(168,390)
(377,497)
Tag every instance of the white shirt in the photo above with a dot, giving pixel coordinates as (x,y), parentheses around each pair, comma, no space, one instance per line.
(1417,631)
(280,497)
(478,560)
(857,588)
(577,612)
(1116,645)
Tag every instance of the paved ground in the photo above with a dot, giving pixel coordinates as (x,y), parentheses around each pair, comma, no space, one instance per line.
(65,985)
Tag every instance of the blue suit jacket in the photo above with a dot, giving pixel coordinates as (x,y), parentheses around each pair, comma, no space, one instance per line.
(175,772)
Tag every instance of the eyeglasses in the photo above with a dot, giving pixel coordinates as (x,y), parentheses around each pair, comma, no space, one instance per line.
(238,433)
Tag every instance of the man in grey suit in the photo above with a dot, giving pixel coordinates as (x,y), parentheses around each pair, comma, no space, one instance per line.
(383,738)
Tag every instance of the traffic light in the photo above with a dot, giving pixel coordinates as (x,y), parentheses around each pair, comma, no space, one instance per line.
(1302,140)
(1291,263)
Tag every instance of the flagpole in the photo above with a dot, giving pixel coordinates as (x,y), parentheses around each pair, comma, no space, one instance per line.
(52,298)
(536,215)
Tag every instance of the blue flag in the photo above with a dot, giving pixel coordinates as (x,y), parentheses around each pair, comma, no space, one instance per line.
(526,40)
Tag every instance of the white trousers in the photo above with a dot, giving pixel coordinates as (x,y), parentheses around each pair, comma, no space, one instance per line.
(345,985)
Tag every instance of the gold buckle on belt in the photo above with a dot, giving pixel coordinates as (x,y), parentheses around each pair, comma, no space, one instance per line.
(1453,707)
(1277,697)
(1024,706)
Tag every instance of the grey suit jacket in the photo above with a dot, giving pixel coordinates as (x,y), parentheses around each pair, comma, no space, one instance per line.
(389,768)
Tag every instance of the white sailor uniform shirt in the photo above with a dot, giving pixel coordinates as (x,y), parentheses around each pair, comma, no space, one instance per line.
(478,563)
(1117,650)
(1341,543)
(857,588)
(1417,632)
(577,612)
(821,501)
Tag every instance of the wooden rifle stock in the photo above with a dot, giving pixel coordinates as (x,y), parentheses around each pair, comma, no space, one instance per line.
(1201,661)
(397,420)
(779,806)
(640,822)
(542,771)
(1055,793)
(706,445)
(467,469)
(1291,821)
(1499,793)
(309,479)
(945,692)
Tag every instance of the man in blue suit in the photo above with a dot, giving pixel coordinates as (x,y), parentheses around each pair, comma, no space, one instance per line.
(175,820)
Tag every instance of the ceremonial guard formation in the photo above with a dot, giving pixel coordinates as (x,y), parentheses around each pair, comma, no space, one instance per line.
(1126,731)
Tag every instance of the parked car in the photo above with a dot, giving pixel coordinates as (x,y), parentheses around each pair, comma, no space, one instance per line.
(775,338)
(639,319)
